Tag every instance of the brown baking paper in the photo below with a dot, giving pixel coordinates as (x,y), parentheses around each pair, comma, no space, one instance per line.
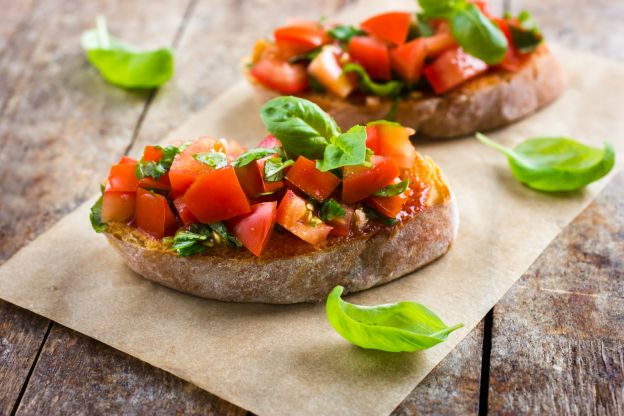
(284,360)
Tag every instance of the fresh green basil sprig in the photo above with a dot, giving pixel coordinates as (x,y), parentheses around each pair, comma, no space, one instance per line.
(393,189)
(213,159)
(253,154)
(395,327)
(153,169)
(305,129)
(555,164)
(344,33)
(95,214)
(387,89)
(474,32)
(122,64)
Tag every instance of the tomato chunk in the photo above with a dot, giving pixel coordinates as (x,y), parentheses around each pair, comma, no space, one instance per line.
(390,206)
(305,176)
(300,38)
(161,186)
(372,54)
(360,182)
(184,212)
(291,214)
(251,178)
(185,168)
(438,43)
(216,196)
(391,27)
(342,226)
(513,59)
(152,154)
(254,229)
(121,177)
(153,215)
(452,68)
(408,59)
(326,69)
(270,142)
(281,76)
(118,206)
(391,140)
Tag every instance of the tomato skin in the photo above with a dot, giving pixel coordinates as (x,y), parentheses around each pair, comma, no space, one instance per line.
(152,154)
(360,182)
(118,206)
(126,159)
(408,59)
(392,140)
(185,214)
(327,70)
(438,43)
(121,177)
(270,142)
(251,179)
(281,76)
(216,196)
(372,54)
(254,229)
(305,176)
(342,226)
(290,215)
(185,168)
(452,68)
(300,38)
(390,206)
(153,215)
(162,185)
(391,27)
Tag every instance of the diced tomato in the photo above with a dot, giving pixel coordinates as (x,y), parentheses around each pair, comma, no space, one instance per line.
(251,178)
(438,43)
(152,154)
(326,69)
(270,142)
(360,182)
(305,176)
(216,196)
(118,206)
(121,177)
(391,27)
(161,186)
(408,59)
(281,76)
(153,215)
(372,54)
(254,229)
(291,214)
(185,168)
(126,159)
(452,68)
(391,140)
(185,214)
(300,38)
(513,59)
(342,226)
(390,206)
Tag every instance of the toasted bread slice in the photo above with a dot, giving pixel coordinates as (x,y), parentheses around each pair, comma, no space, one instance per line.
(292,271)
(489,101)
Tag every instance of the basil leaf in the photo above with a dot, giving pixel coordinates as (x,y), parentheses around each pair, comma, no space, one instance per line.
(348,149)
(302,127)
(554,164)
(252,154)
(477,35)
(215,160)
(274,169)
(331,209)
(220,229)
(527,37)
(387,89)
(95,215)
(393,189)
(198,237)
(123,65)
(374,215)
(395,327)
(437,8)
(157,169)
(425,29)
(344,33)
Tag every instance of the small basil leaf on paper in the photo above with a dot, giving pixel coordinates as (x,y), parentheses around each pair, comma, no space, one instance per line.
(95,214)
(386,89)
(123,65)
(395,327)
(274,169)
(393,189)
(348,149)
(331,210)
(215,160)
(252,154)
(344,33)
(302,127)
(153,169)
(477,35)
(555,164)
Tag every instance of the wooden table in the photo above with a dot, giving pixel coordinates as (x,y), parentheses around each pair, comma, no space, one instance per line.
(554,344)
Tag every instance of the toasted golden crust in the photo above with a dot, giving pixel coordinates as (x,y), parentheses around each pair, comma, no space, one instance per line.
(492,100)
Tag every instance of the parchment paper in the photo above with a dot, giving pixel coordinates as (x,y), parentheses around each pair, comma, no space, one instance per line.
(284,360)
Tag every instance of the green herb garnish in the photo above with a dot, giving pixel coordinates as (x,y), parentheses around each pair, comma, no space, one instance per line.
(344,33)
(374,215)
(199,237)
(347,149)
(386,89)
(527,37)
(153,169)
(274,169)
(393,189)
(215,160)
(251,155)
(331,210)
(95,215)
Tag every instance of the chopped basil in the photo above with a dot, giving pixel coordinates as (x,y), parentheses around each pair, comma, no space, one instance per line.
(374,215)
(153,169)
(393,189)
(274,169)
(344,33)
(527,37)
(198,237)
(251,155)
(348,149)
(387,89)
(95,215)
(331,209)
(215,160)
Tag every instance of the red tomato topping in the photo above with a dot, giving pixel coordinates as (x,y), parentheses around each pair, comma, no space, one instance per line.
(185,168)
(153,214)
(360,182)
(513,59)
(185,214)
(152,154)
(281,76)
(342,226)
(305,176)
(251,178)
(300,38)
(270,142)
(121,177)
(408,59)
(254,229)
(372,54)
(436,44)
(291,214)
(216,196)
(391,27)
(162,185)
(126,159)
(118,206)
(452,68)
(391,140)
(327,70)
(390,206)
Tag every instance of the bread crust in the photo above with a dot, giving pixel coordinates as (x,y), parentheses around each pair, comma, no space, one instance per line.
(357,264)
(492,100)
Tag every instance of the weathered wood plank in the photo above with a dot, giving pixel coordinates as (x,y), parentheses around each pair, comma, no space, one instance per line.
(558,344)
